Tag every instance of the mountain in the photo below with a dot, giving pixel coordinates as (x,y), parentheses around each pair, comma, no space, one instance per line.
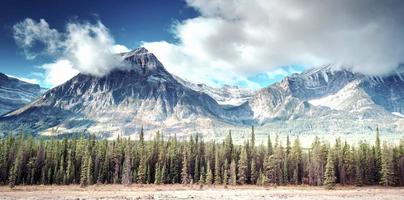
(225,95)
(15,93)
(330,101)
(141,94)
(327,101)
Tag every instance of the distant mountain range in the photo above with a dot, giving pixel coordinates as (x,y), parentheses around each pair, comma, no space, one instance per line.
(325,100)
(15,93)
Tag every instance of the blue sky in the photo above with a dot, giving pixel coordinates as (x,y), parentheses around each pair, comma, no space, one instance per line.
(130,22)
(249,43)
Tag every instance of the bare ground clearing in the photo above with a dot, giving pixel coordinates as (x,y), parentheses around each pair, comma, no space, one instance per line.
(194,192)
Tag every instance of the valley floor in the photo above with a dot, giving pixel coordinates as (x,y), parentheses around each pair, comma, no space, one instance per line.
(194,192)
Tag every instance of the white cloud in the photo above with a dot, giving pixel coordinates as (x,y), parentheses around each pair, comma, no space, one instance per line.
(89,48)
(58,72)
(194,67)
(29,34)
(118,48)
(232,40)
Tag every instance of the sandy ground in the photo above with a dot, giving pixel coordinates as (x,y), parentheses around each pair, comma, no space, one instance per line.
(194,192)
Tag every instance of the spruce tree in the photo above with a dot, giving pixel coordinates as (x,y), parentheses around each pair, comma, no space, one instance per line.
(84,169)
(228,147)
(296,162)
(184,172)
(15,171)
(202,176)
(218,179)
(225,177)
(233,172)
(68,175)
(254,174)
(270,149)
(127,167)
(163,174)
(12,177)
(387,172)
(34,161)
(242,167)
(209,174)
(378,156)
(90,169)
(141,172)
(329,175)
(157,175)
(270,172)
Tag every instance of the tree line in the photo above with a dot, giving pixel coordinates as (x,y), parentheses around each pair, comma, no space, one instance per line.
(85,161)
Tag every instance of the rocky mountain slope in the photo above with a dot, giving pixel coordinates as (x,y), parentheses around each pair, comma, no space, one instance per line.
(332,102)
(15,93)
(321,101)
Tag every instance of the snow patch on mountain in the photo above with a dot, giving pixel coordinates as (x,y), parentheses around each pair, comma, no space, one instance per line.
(337,100)
(225,95)
(398,114)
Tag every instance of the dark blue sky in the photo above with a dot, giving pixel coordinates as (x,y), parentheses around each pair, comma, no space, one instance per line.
(129,21)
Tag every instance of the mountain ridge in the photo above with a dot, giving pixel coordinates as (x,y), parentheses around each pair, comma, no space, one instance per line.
(142,93)
(15,93)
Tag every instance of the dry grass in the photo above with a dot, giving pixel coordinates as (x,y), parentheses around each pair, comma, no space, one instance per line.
(194,192)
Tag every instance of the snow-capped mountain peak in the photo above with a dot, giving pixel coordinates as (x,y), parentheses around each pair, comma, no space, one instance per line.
(325,100)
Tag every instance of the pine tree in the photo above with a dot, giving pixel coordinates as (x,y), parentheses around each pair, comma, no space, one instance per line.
(225,177)
(242,167)
(84,169)
(163,174)
(141,138)
(286,162)
(26,160)
(270,149)
(278,165)
(228,147)
(68,175)
(12,177)
(296,162)
(387,172)
(90,170)
(254,174)
(127,170)
(196,168)
(116,161)
(270,170)
(218,179)
(262,178)
(184,172)
(141,173)
(209,174)
(329,176)
(378,156)
(233,172)
(317,158)
(157,175)
(15,171)
(202,176)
